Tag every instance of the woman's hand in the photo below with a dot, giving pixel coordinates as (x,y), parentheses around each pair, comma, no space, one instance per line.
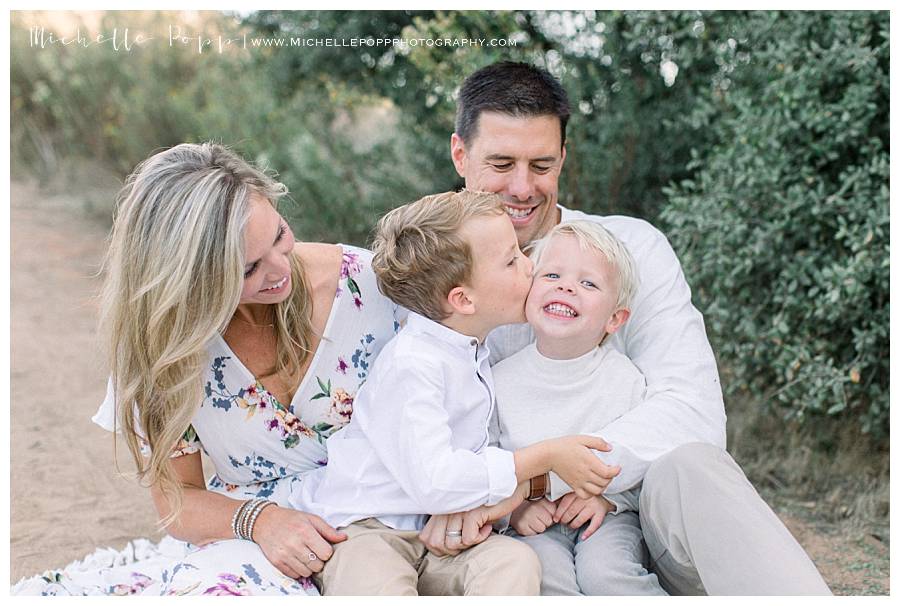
(533,517)
(573,459)
(289,539)
(575,512)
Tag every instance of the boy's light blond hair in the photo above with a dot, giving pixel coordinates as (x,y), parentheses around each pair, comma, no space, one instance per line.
(592,236)
(419,254)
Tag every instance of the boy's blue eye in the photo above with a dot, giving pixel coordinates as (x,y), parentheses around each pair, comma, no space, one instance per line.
(551,276)
(589,284)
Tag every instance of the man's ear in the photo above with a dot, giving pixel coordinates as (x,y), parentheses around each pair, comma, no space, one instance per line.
(459,301)
(458,154)
(562,157)
(616,320)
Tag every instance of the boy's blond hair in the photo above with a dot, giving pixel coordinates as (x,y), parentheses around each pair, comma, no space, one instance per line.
(592,236)
(419,254)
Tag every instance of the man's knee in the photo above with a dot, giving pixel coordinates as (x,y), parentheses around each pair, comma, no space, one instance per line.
(686,462)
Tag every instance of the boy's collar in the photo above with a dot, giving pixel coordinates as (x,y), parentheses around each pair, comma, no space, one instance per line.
(420,323)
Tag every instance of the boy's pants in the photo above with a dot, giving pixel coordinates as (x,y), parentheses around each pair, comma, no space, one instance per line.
(378,560)
(612,561)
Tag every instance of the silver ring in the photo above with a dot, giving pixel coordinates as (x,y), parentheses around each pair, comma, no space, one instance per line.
(313,557)
(454,533)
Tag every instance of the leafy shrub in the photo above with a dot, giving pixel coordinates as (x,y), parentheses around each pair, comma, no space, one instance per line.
(783,230)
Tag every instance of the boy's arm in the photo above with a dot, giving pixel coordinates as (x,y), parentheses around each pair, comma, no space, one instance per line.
(409,429)
(666,339)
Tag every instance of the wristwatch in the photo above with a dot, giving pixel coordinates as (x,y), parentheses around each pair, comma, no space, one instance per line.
(538,487)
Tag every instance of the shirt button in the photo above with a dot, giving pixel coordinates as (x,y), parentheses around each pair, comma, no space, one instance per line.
(473,342)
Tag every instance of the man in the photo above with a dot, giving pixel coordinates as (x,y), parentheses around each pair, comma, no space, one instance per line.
(706,528)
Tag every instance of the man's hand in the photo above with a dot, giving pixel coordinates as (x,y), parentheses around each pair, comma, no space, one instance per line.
(575,512)
(434,535)
(477,522)
(533,517)
(474,526)
(574,460)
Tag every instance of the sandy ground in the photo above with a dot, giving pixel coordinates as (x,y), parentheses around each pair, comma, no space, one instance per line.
(67,498)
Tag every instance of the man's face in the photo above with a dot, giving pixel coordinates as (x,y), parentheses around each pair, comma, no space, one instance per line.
(520,159)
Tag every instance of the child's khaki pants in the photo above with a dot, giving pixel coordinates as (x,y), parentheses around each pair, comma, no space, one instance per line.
(377,560)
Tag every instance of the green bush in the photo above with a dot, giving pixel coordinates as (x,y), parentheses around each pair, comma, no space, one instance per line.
(783,230)
(773,135)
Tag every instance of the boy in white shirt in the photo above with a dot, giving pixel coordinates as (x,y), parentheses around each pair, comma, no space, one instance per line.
(417,443)
(571,379)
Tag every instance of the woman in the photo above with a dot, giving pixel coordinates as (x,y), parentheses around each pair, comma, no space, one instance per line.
(226,336)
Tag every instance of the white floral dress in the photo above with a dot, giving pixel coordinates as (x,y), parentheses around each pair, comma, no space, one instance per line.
(259,447)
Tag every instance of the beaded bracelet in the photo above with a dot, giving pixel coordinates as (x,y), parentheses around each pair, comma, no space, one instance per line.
(255,515)
(245,517)
(235,518)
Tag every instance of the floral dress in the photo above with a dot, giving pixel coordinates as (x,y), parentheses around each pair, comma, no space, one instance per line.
(261,447)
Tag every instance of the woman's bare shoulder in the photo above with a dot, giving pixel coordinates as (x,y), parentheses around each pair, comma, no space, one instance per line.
(321,261)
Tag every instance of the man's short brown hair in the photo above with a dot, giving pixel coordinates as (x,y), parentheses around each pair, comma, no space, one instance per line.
(419,254)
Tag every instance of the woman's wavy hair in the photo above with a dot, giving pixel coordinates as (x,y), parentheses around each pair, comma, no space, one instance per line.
(174,273)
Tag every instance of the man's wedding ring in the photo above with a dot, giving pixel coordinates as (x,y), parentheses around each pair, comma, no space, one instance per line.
(313,557)
(454,533)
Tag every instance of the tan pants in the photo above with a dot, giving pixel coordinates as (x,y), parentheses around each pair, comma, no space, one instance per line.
(377,560)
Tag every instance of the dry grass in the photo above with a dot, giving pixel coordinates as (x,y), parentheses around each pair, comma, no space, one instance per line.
(831,486)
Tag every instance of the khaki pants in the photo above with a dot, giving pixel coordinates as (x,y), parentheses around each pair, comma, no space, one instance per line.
(377,560)
(708,530)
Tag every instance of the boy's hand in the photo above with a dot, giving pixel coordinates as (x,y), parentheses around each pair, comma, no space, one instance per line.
(574,461)
(575,512)
(533,517)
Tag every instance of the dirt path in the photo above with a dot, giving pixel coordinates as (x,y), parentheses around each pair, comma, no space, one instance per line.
(67,497)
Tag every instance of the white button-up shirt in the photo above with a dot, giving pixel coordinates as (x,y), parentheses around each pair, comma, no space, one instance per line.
(666,339)
(417,443)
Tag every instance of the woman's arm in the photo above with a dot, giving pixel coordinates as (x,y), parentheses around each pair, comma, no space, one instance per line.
(287,537)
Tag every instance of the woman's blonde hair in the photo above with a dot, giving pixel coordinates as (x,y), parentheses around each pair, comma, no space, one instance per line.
(592,236)
(419,255)
(174,273)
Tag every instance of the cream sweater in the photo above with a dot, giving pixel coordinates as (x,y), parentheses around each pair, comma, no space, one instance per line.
(540,398)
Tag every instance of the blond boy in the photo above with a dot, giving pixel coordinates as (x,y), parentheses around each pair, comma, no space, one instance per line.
(570,378)
(417,443)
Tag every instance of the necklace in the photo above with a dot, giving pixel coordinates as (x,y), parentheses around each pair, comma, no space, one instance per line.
(239,319)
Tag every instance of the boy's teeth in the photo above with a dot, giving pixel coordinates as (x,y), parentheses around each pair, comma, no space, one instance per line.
(561,309)
(517,213)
